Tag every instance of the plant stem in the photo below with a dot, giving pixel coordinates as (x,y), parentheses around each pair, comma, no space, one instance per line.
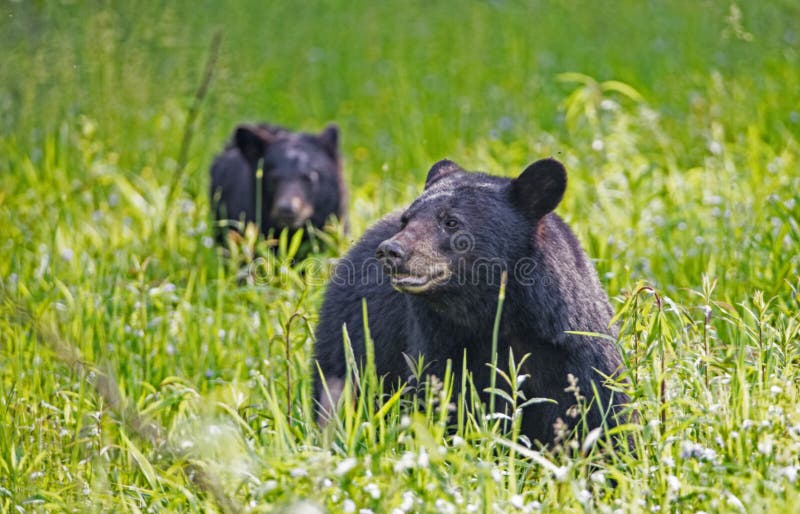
(495,334)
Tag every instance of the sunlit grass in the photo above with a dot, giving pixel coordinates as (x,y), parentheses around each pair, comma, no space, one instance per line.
(140,371)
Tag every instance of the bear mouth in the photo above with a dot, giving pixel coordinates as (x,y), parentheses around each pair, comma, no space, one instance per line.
(408,283)
(290,223)
(294,218)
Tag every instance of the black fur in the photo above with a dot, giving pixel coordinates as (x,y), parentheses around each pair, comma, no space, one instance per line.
(302,180)
(477,226)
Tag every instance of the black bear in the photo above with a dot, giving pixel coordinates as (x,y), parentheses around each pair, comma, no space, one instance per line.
(431,274)
(302,179)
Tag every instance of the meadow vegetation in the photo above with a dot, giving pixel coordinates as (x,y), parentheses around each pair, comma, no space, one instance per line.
(138,373)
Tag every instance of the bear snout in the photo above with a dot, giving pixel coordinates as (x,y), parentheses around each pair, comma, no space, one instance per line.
(288,208)
(291,208)
(391,255)
(290,214)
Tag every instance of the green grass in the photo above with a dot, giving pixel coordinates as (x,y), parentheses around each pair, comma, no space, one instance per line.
(137,375)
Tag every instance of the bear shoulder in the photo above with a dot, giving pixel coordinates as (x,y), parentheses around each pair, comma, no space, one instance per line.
(569,296)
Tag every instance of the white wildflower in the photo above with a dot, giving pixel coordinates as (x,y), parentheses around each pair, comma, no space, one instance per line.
(497,476)
(298,472)
(407,503)
(345,466)
(790,472)
(445,507)
(423,460)
(775,411)
(407,461)
(373,490)
(608,104)
(560,473)
(67,254)
(673,484)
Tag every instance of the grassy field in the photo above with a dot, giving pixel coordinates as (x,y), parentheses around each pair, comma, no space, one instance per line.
(136,374)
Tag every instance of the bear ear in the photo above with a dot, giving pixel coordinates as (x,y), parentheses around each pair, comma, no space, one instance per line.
(252,140)
(440,170)
(539,189)
(329,137)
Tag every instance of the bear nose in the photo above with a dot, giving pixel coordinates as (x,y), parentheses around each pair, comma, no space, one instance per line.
(287,208)
(391,254)
(284,210)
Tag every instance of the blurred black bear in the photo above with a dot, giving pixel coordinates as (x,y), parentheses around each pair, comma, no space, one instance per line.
(302,180)
(431,276)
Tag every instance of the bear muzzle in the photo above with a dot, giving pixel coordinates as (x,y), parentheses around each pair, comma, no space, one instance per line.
(291,210)
(408,272)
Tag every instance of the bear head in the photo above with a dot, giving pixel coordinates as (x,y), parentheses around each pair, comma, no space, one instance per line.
(300,172)
(467,228)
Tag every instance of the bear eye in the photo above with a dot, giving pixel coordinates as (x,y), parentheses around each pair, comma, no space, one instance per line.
(451,223)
